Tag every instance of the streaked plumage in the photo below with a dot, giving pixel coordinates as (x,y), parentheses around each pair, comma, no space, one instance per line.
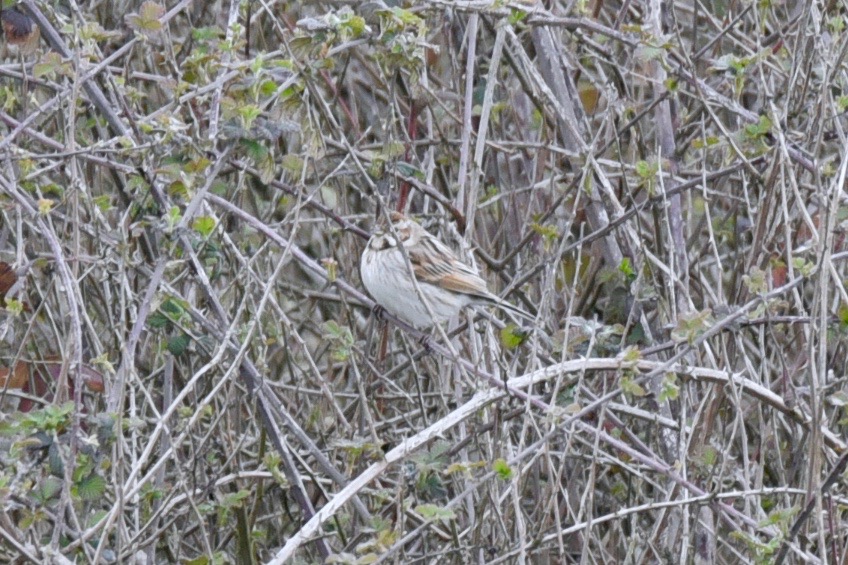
(447,284)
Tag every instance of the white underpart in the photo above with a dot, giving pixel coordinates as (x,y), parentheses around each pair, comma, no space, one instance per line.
(392,288)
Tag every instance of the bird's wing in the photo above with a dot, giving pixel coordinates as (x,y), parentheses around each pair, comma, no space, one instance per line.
(434,263)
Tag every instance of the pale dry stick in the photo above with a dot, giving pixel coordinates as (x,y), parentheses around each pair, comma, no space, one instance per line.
(87,154)
(312,203)
(542,17)
(159,478)
(587,501)
(72,361)
(405,448)
(561,532)
(315,268)
(76,318)
(24,551)
(569,120)
(194,93)
(271,406)
(615,223)
(752,388)
(465,199)
(483,127)
(719,374)
(709,95)
(486,397)
(132,484)
(833,476)
(253,380)
(817,376)
(678,258)
(652,506)
(25,124)
(214,114)
(116,392)
(56,42)
(312,266)
(664,118)
(760,392)
(141,320)
(95,94)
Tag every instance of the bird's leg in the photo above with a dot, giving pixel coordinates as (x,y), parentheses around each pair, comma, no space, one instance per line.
(424,341)
(379,312)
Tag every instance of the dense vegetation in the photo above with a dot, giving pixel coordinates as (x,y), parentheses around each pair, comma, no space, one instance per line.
(192,371)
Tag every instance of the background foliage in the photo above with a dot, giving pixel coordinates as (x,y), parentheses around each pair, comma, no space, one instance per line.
(192,372)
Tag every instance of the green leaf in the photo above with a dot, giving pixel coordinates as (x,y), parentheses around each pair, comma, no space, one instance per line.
(207,34)
(433,512)
(148,18)
(103,202)
(517,16)
(50,418)
(249,113)
(709,456)
(14,306)
(235,499)
(502,468)
(761,128)
(804,267)
(780,517)
(631,387)
(292,163)
(409,170)
(92,487)
(669,390)
(341,340)
(174,308)
(204,225)
(512,336)
(174,216)
(630,356)
(45,205)
(842,316)
(47,489)
(158,320)
(709,141)
(50,65)
(626,267)
(254,149)
(356,25)
(691,325)
(178,344)
(548,232)
(646,170)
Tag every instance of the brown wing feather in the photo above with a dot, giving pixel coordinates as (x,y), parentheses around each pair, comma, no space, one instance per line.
(436,264)
(466,284)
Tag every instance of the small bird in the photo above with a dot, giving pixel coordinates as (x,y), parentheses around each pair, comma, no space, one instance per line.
(447,284)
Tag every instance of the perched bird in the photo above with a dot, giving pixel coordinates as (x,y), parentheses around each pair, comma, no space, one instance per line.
(447,284)
(20,31)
